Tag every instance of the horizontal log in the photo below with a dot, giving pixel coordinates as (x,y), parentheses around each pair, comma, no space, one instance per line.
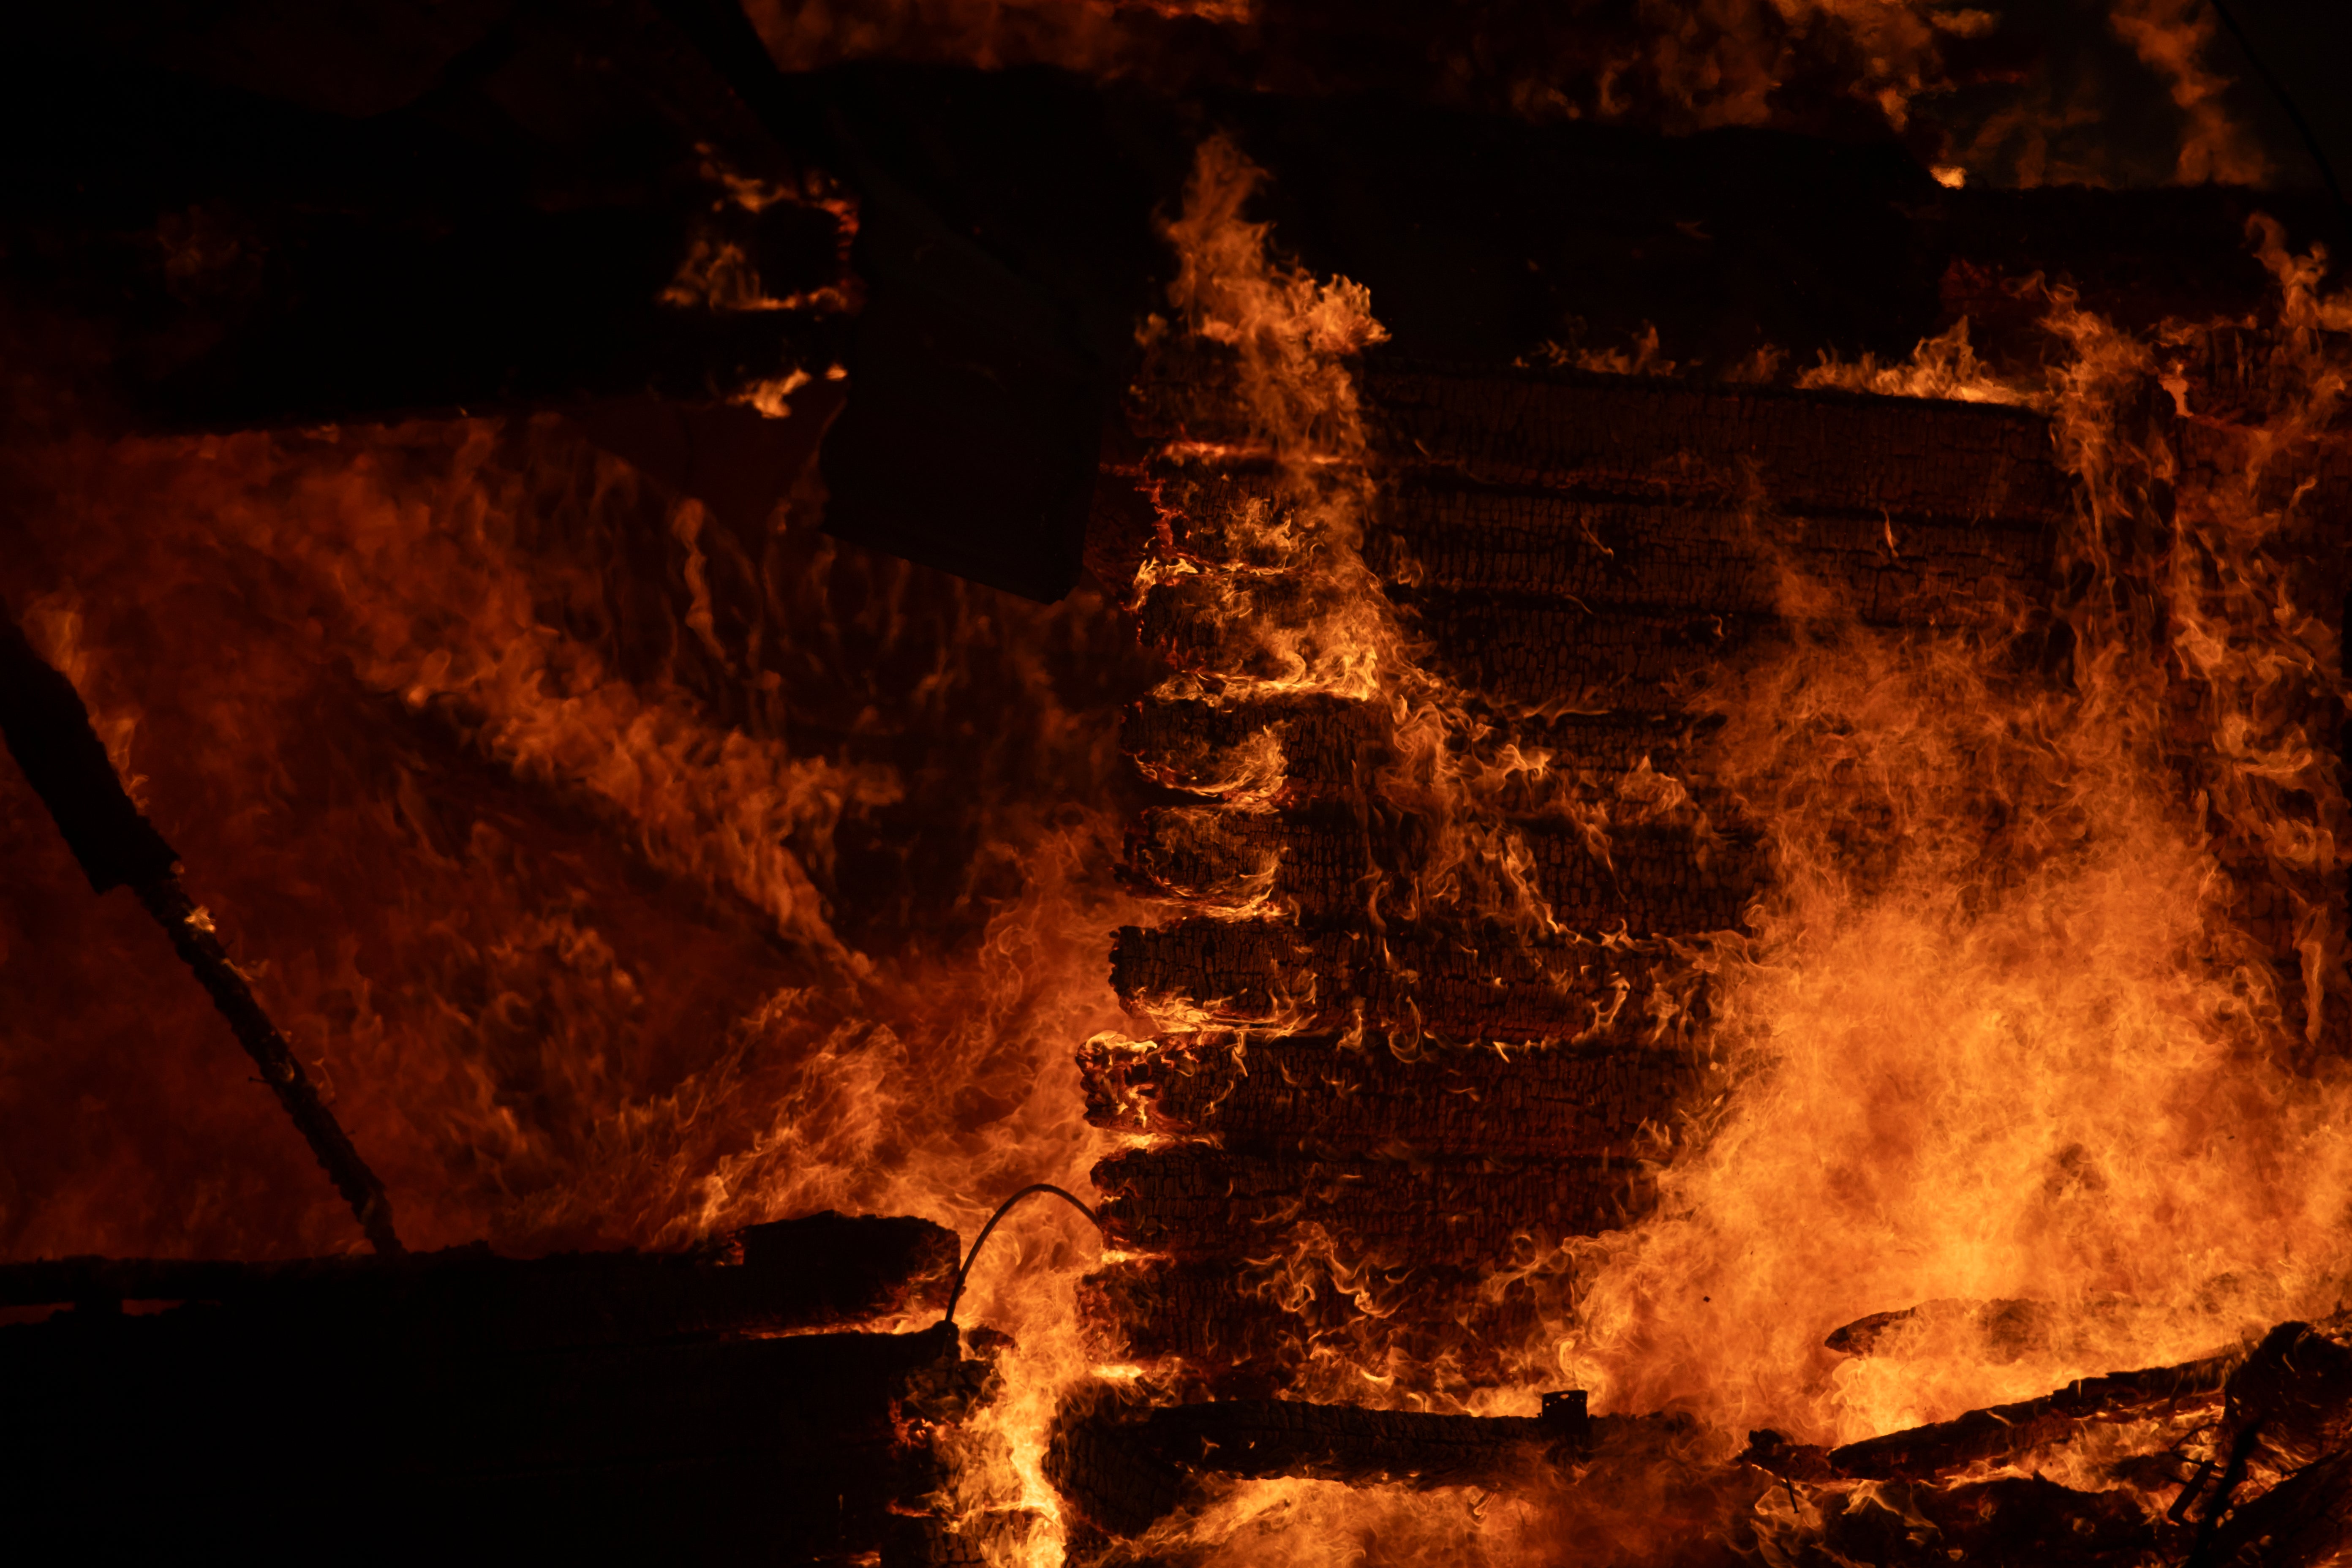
(1190,1200)
(2003,1326)
(1123,1464)
(1292,1093)
(1457,986)
(1805,452)
(1610,553)
(1558,655)
(1505,653)
(1301,747)
(1266,1438)
(1324,868)
(1252,1329)
(249,1436)
(798,1274)
(1498,653)
(2002,1432)
(1808,453)
(1313,748)
(1436,532)
(1999,1331)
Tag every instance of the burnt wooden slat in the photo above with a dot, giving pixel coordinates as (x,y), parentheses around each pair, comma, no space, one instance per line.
(1996,1434)
(1636,554)
(1323,867)
(1289,1093)
(1636,436)
(1458,986)
(349,1447)
(1196,1201)
(1808,452)
(1435,532)
(1257,1327)
(1322,747)
(818,1272)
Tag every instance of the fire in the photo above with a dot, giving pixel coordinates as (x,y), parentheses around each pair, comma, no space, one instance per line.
(2171,37)
(2031,1031)
(578,892)
(620,914)
(2045,1047)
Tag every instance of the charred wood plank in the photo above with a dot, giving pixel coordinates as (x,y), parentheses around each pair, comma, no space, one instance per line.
(1501,653)
(2006,1328)
(772,1449)
(1945,1447)
(1613,553)
(1433,532)
(1316,748)
(1263,1438)
(1637,438)
(261,251)
(1249,1330)
(1199,1201)
(1124,1466)
(49,733)
(1535,653)
(1290,1093)
(2304,1521)
(2014,1521)
(1301,747)
(1508,653)
(822,1270)
(1457,986)
(1808,452)
(2287,1408)
(1325,866)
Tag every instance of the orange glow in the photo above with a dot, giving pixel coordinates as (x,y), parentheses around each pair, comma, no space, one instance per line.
(2172,38)
(549,887)
(561,821)
(2040,1008)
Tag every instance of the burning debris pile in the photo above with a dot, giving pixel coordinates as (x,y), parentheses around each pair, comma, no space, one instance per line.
(1666,867)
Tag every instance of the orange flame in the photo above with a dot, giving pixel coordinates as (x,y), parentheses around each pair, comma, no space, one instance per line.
(602,917)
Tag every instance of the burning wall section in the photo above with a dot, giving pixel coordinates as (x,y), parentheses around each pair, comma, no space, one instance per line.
(1657,872)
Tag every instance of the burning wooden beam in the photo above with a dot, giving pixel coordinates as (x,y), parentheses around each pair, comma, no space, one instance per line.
(821,1271)
(2003,1432)
(49,733)
(677,1407)
(1125,1467)
(1554,538)
(1294,1092)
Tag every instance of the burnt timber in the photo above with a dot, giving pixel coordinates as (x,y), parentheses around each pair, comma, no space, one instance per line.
(1549,534)
(518,207)
(709,1406)
(2284,1408)
(1429,1102)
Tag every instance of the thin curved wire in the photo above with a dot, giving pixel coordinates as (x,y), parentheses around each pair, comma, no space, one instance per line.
(1004,1208)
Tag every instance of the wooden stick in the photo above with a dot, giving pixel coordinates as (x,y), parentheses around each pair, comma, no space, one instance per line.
(49,733)
(818,1272)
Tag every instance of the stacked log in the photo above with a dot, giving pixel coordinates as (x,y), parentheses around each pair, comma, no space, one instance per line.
(704,1407)
(1369,1104)
(2271,1424)
(1124,1466)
